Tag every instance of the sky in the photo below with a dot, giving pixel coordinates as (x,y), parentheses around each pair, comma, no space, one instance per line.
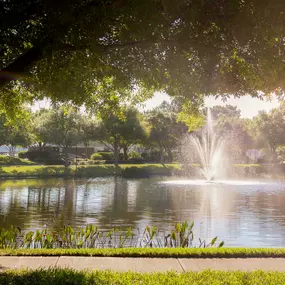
(249,106)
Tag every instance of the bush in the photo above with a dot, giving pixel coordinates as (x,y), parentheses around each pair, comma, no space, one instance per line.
(87,162)
(152,156)
(106,155)
(135,172)
(10,160)
(281,153)
(137,161)
(96,156)
(95,162)
(134,155)
(22,154)
(45,157)
(130,161)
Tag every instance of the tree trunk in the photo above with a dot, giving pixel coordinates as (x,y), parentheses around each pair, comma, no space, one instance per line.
(66,161)
(41,145)
(125,148)
(86,150)
(161,154)
(116,153)
(12,150)
(170,156)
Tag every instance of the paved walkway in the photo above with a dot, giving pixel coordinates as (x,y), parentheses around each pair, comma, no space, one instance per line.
(142,264)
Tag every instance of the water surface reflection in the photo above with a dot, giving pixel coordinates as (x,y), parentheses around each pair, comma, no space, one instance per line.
(241,214)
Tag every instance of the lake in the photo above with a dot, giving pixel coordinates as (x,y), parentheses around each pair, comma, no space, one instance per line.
(242,213)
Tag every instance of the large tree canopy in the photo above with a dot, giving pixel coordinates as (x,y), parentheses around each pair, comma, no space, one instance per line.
(117,134)
(91,51)
(269,128)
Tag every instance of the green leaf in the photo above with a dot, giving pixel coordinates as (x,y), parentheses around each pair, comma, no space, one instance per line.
(213,240)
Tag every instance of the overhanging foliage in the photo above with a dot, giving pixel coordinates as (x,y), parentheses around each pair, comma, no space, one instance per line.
(93,51)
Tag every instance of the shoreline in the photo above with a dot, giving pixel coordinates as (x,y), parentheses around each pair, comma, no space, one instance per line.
(238,171)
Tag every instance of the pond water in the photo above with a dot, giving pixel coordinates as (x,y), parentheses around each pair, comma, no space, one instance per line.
(242,213)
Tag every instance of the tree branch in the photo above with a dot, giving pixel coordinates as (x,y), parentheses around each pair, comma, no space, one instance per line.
(21,65)
(108,146)
(16,17)
(26,61)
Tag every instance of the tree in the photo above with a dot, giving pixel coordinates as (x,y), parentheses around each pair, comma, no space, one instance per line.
(89,131)
(60,126)
(229,125)
(39,130)
(269,128)
(122,133)
(133,131)
(165,131)
(223,112)
(71,50)
(14,134)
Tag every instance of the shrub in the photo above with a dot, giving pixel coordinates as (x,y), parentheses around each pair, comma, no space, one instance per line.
(281,153)
(106,155)
(135,172)
(87,162)
(95,162)
(136,161)
(22,154)
(96,156)
(151,156)
(134,155)
(9,160)
(45,157)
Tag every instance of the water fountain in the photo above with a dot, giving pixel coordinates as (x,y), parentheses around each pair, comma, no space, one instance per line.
(206,147)
(209,147)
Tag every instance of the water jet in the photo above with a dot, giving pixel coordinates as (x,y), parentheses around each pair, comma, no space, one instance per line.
(209,147)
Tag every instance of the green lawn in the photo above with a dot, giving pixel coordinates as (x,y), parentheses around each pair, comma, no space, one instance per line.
(206,277)
(152,252)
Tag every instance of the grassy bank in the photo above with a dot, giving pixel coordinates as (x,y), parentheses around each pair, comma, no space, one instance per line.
(136,170)
(206,277)
(153,253)
(127,170)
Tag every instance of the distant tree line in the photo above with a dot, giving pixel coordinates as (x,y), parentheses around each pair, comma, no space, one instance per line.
(157,134)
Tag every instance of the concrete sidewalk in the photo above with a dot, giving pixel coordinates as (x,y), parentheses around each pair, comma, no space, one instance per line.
(142,264)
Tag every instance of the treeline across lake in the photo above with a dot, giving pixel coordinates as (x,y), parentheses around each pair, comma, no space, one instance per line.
(132,136)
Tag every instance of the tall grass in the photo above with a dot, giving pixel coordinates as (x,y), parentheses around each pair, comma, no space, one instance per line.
(91,237)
